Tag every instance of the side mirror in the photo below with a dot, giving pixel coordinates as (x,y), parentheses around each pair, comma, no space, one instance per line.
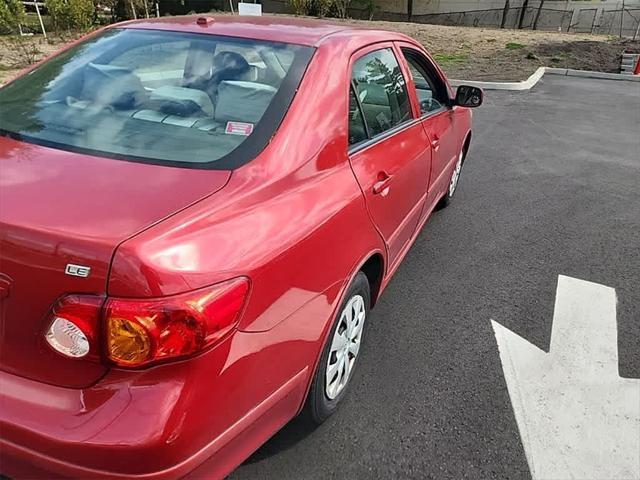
(467,96)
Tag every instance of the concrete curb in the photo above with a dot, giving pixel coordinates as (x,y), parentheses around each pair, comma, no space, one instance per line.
(524,85)
(530,82)
(587,74)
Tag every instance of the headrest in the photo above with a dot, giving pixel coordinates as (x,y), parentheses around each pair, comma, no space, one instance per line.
(373,94)
(183,94)
(242,101)
(229,66)
(112,86)
(251,75)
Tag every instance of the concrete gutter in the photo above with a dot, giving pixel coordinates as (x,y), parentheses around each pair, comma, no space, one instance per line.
(530,82)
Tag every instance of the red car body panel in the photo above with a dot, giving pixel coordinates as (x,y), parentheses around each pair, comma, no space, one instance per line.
(57,208)
(286,220)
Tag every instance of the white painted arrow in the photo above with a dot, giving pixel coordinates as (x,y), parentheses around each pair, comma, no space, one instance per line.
(578,419)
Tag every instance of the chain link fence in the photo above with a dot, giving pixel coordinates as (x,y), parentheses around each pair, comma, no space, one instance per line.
(529,18)
(584,20)
(624,23)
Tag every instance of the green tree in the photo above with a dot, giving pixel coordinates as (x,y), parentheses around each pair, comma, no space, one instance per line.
(71,14)
(342,7)
(300,7)
(323,7)
(11,15)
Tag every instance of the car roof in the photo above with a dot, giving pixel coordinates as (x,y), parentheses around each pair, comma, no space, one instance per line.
(302,31)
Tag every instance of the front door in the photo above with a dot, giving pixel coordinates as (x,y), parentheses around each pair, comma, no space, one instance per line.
(390,151)
(437,117)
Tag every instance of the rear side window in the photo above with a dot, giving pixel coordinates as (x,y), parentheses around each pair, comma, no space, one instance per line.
(166,58)
(381,91)
(357,128)
(174,98)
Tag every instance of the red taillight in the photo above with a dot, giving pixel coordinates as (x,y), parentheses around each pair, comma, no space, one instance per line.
(140,332)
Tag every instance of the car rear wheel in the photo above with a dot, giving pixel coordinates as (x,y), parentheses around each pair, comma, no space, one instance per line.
(341,352)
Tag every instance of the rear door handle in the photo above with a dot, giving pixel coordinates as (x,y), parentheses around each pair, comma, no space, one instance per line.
(435,144)
(382,185)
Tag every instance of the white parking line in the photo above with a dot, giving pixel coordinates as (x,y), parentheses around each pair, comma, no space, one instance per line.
(578,419)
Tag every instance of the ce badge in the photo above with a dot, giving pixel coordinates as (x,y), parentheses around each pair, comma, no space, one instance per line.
(77,270)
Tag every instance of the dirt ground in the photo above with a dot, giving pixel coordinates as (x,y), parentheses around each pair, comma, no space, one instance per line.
(18,53)
(469,53)
(465,53)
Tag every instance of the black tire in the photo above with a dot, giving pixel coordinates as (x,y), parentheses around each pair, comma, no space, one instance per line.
(319,406)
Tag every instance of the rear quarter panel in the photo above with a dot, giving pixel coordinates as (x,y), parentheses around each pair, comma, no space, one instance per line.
(293,220)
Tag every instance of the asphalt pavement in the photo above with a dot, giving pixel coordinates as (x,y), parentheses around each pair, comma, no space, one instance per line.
(551,187)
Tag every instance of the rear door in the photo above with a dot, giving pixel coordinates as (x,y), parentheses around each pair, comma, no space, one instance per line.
(389,149)
(436,115)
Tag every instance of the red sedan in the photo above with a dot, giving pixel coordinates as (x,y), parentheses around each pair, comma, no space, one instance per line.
(196,215)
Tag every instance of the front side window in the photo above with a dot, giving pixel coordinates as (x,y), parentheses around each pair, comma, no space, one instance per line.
(161,97)
(427,88)
(381,90)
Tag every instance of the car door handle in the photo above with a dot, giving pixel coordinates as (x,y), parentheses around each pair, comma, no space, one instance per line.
(382,185)
(435,144)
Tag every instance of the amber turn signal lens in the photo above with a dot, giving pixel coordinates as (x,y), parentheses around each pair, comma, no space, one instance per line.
(146,331)
(127,341)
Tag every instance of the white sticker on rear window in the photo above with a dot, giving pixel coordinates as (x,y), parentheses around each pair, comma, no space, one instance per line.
(239,128)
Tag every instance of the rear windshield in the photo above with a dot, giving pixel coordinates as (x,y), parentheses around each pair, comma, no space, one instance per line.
(191,100)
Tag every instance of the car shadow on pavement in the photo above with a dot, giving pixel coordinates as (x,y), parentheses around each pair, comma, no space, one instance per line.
(292,433)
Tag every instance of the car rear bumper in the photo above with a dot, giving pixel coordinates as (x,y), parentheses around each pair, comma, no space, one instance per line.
(173,421)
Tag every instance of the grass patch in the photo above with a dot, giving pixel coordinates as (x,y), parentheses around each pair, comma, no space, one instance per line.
(451,58)
(513,46)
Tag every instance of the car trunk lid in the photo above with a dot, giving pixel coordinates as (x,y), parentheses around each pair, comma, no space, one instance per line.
(57,209)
